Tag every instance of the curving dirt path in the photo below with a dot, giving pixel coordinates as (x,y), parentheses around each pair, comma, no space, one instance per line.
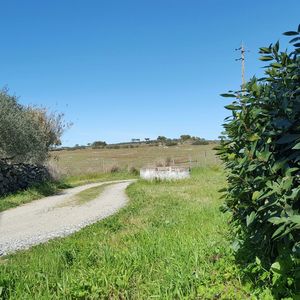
(50,217)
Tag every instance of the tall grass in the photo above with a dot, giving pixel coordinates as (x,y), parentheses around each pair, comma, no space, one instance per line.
(169,242)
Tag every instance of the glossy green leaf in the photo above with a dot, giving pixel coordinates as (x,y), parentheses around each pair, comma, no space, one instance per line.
(289,33)
(256,195)
(296,147)
(227,95)
(250,218)
(253,138)
(295,40)
(233,107)
(295,219)
(266,58)
(265,50)
(276,268)
(288,138)
(277,220)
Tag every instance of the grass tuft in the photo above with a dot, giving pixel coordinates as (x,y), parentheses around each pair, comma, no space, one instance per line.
(85,195)
(33,193)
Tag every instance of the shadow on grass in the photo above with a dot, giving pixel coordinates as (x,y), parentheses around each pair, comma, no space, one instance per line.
(33,192)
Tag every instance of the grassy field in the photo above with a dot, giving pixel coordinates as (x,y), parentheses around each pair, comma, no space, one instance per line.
(76,162)
(169,242)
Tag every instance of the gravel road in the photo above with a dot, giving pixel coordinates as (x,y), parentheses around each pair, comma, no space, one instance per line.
(55,216)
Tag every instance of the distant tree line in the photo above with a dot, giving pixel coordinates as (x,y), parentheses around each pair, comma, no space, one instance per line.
(136,142)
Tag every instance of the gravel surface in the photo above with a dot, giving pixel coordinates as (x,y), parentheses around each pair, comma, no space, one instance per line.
(55,216)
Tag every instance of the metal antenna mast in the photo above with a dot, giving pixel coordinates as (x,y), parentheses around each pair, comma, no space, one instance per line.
(242,59)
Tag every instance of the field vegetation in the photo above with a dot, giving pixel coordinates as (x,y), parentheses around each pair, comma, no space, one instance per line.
(102,160)
(170,242)
(78,167)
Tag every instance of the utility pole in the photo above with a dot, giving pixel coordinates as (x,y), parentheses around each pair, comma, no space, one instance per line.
(242,59)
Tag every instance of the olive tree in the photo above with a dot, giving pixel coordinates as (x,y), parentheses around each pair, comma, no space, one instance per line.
(27,133)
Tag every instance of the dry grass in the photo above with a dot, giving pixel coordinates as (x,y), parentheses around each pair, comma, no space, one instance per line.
(86,161)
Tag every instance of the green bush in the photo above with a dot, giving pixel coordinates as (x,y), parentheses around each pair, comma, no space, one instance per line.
(170,143)
(200,142)
(261,152)
(27,133)
(98,144)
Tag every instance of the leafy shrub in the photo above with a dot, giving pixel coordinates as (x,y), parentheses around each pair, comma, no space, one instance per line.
(262,156)
(168,161)
(98,144)
(114,169)
(185,137)
(27,133)
(133,170)
(200,142)
(171,143)
(113,147)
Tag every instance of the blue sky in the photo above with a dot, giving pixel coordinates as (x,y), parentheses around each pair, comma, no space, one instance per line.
(135,68)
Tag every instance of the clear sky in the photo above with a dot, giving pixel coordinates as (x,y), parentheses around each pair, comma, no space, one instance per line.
(135,68)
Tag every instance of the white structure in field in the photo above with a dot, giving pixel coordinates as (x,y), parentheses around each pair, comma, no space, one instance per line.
(165,173)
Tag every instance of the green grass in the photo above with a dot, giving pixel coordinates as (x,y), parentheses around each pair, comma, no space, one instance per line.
(97,177)
(169,242)
(86,195)
(51,188)
(76,162)
(33,193)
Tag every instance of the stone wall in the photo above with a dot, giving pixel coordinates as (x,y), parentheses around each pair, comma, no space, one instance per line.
(14,177)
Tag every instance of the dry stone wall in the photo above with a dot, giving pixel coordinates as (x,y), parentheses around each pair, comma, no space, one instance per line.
(14,177)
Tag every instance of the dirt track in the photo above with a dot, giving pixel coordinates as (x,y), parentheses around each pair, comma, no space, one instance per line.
(51,217)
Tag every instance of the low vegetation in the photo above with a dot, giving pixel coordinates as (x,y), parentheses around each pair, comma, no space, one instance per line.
(33,193)
(75,162)
(261,153)
(169,242)
(87,195)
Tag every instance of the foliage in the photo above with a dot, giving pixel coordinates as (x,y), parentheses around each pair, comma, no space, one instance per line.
(133,170)
(198,142)
(98,144)
(92,161)
(185,137)
(161,139)
(170,143)
(114,169)
(262,155)
(32,193)
(27,133)
(169,242)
